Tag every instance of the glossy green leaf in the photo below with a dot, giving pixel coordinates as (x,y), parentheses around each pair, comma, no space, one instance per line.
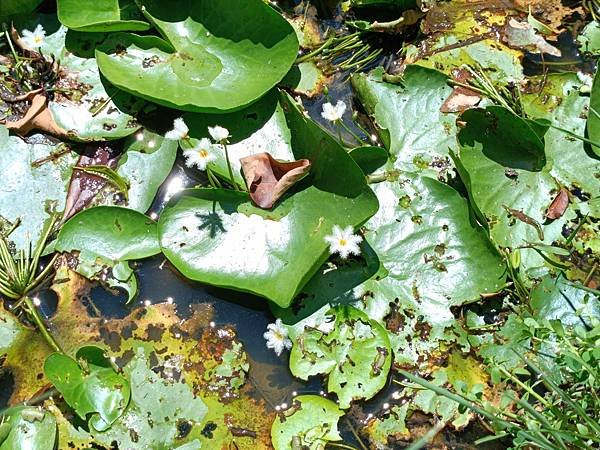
(156,409)
(555,299)
(589,38)
(109,237)
(146,163)
(369,157)
(90,385)
(104,15)
(414,145)
(593,123)
(217,56)
(352,350)
(432,258)
(88,108)
(27,427)
(28,190)
(218,237)
(260,127)
(310,422)
(495,127)
(510,199)
(561,102)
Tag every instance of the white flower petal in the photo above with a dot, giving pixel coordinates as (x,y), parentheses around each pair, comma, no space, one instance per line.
(277,337)
(333,113)
(219,134)
(179,131)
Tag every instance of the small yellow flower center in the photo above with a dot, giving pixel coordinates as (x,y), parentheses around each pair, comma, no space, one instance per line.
(38,39)
(278,336)
(343,242)
(203,153)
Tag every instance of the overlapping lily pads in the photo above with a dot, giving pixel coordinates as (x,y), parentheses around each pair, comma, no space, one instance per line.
(416,145)
(90,385)
(344,344)
(216,56)
(84,107)
(218,237)
(107,237)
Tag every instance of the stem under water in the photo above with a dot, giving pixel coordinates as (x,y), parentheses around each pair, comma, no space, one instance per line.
(36,318)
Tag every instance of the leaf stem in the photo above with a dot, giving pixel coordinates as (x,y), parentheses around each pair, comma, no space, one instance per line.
(35,317)
(231,179)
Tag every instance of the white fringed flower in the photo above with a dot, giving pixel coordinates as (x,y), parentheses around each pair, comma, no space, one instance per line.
(200,154)
(219,134)
(35,38)
(344,242)
(333,113)
(277,337)
(179,131)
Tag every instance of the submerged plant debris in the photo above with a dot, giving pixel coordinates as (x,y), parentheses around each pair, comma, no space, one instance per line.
(378,222)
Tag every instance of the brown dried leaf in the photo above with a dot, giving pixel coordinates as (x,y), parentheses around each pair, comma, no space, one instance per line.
(559,205)
(461,98)
(268,179)
(84,187)
(38,117)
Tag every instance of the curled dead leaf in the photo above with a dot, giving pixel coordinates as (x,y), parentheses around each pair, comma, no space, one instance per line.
(461,98)
(38,117)
(559,205)
(268,179)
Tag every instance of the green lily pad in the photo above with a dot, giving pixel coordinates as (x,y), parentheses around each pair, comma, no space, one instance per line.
(593,123)
(90,385)
(562,103)
(157,407)
(217,56)
(217,237)
(508,197)
(28,191)
(589,38)
(555,299)
(146,163)
(103,16)
(414,145)
(109,237)
(354,353)
(432,258)
(86,108)
(310,422)
(260,127)
(27,427)
(496,126)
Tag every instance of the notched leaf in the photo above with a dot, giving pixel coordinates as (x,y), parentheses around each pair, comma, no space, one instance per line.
(268,179)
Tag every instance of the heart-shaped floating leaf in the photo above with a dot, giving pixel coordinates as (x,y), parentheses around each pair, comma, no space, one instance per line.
(24,427)
(89,385)
(217,237)
(221,54)
(311,421)
(109,237)
(268,179)
(354,353)
(103,16)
